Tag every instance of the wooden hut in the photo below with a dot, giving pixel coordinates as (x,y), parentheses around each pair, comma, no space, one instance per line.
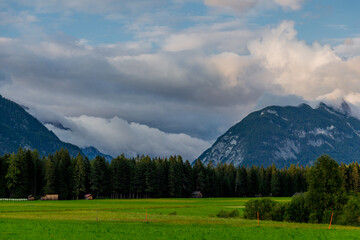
(31,198)
(196,194)
(88,197)
(50,197)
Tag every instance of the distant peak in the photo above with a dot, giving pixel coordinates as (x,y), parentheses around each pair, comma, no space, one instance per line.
(345,107)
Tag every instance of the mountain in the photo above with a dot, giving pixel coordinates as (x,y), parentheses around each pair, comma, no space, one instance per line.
(19,128)
(286,135)
(92,152)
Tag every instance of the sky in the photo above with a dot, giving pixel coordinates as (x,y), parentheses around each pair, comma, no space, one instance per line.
(168,77)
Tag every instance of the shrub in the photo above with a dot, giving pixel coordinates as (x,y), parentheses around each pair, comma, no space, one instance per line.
(313,217)
(264,207)
(278,212)
(228,214)
(297,210)
(173,213)
(351,212)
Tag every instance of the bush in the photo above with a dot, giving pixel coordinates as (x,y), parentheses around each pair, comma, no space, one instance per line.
(313,217)
(351,212)
(278,212)
(267,209)
(228,214)
(173,213)
(297,210)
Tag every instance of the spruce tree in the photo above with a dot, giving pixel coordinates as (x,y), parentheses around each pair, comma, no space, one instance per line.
(50,176)
(13,176)
(79,177)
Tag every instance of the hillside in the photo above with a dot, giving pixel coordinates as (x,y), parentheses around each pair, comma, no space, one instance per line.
(286,135)
(19,128)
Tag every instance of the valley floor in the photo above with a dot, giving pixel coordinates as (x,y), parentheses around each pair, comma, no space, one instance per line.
(166,219)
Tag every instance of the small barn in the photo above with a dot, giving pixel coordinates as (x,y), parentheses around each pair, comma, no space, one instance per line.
(88,197)
(196,194)
(50,197)
(298,194)
(31,198)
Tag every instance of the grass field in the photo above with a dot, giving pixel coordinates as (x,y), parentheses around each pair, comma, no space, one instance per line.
(167,219)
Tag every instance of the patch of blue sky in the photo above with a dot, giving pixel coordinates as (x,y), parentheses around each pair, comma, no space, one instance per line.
(323,21)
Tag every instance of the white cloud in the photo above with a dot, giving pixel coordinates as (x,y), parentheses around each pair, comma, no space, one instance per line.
(19,19)
(349,48)
(116,136)
(244,6)
(241,6)
(292,4)
(300,69)
(196,81)
(91,6)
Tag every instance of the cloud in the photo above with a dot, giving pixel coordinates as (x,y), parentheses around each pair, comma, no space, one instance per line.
(180,85)
(298,68)
(349,48)
(241,6)
(89,6)
(291,4)
(245,6)
(21,18)
(269,99)
(174,92)
(116,136)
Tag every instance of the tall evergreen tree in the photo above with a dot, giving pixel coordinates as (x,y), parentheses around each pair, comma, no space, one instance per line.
(355,177)
(275,182)
(253,182)
(50,176)
(64,174)
(13,177)
(37,174)
(79,177)
(199,176)
(100,181)
(4,160)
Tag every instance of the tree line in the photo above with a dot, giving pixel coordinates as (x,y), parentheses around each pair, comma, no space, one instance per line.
(26,173)
(327,198)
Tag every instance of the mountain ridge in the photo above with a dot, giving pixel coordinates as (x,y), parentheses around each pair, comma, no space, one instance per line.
(289,135)
(18,128)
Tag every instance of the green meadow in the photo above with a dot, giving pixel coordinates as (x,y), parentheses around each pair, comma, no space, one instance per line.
(166,219)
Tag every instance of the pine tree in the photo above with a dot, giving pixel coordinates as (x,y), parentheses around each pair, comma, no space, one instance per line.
(37,174)
(150,182)
(13,176)
(120,172)
(3,171)
(100,181)
(50,176)
(172,179)
(199,176)
(243,183)
(64,174)
(79,177)
(275,182)
(253,182)
(355,177)
(344,170)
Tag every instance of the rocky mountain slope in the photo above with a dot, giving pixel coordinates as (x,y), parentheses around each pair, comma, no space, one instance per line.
(19,128)
(285,135)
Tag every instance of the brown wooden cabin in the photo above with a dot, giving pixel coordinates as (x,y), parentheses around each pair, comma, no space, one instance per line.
(88,197)
(196,194)
(50,197)
(31,198)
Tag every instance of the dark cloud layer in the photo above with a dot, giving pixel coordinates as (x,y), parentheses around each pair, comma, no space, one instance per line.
(166,90)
